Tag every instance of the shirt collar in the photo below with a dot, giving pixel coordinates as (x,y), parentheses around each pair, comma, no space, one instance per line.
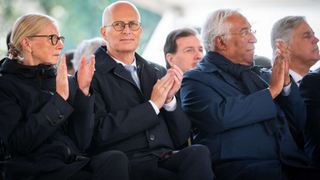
(295,76)
(117,61)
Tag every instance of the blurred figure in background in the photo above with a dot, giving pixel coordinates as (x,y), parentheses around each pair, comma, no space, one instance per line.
(69,57)
(262,61)
(86,48)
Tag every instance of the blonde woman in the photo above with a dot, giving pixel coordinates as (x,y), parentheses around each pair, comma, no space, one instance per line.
(46,116)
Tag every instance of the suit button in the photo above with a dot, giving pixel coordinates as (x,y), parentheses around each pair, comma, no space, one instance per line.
(61,116)
(152,137)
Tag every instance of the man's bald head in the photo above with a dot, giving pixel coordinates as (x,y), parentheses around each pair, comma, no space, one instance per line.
(119,6)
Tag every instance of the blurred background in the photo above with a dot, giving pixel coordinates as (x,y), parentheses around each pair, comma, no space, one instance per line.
(80,20)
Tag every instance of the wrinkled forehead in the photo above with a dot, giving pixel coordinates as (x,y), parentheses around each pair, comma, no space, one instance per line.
(238,22)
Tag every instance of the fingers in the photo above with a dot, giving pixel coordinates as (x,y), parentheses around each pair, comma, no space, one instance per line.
(85,74)
(178,72)
(62,86)
(167,81)
(83,61)
(282,49)
(92,64)
(161,88)
(62,62)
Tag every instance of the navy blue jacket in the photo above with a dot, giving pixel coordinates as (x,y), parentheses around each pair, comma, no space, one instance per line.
(309,90)
(230,123)
(44,132)
(124,119)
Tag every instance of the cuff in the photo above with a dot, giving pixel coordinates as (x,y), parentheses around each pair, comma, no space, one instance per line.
(155,107)
(286,90)
(171,106)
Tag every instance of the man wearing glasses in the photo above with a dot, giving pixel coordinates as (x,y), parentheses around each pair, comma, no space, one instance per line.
(243,113)
(136,110)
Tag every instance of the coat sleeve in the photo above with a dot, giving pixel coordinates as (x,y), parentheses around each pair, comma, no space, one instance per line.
(24,134)
(309,90)
(212,107)
(112,127)
(81,121)
(178,123)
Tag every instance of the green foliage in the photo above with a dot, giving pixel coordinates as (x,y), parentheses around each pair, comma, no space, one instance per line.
(78,20)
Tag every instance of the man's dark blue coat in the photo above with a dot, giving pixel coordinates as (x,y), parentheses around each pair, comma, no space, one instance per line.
(231,123)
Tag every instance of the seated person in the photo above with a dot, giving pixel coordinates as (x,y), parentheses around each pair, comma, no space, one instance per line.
(183,48)
(304,53)
(46,116)
(242,113)
(136,108)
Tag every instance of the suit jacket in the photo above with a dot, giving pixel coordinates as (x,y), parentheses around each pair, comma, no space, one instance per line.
(309,90)
(124,119)
(230,123)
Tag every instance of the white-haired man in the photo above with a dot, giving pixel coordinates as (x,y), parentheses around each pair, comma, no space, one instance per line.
(243,113)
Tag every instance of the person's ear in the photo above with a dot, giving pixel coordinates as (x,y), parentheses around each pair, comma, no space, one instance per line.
(103,33)
(170,59)
(220,43)
(26,45)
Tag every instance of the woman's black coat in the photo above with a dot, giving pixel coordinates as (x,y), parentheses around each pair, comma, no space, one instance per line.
(45,134)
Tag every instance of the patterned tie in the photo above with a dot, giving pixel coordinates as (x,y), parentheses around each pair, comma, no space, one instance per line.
(132,70)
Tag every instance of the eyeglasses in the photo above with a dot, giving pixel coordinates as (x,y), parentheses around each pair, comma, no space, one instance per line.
(243,34)
(54,38)
(119,25)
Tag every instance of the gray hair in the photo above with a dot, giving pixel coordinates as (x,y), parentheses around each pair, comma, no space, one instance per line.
(283,29)
(86,48)
(214,26)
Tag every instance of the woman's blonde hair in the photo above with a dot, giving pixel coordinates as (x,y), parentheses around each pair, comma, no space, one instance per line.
(26,25)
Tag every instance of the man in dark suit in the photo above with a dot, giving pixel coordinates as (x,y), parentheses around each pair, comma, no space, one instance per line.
(183,48)
(304,53)
(136,110)
(309,90)
(240,112)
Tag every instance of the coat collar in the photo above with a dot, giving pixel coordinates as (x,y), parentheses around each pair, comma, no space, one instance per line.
(13,67)
(206,66)
(105,62)
(145,69)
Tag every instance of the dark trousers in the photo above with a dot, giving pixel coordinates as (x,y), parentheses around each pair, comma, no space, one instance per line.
(294,173)
(190,163)
(111,165)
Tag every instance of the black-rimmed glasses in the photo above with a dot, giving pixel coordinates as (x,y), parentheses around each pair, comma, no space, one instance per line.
(119,25)
(54,38)
(244,33)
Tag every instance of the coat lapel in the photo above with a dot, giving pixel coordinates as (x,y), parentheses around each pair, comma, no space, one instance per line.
(147,76)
